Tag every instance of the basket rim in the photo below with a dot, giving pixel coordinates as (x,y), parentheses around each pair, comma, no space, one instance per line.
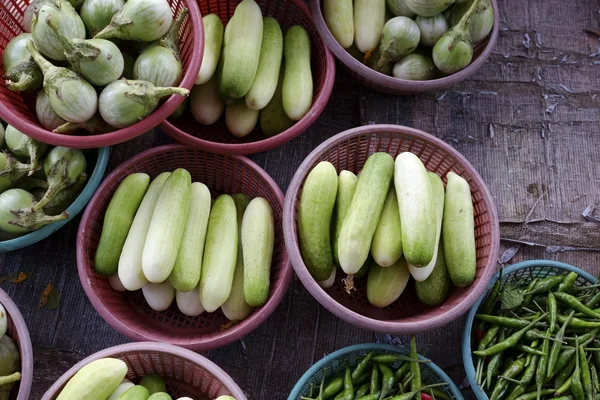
(223,338)
(267,143)
(466,345)
(73,210)
(132,131)
(165,348)
(352,317)
(25,348)
(366,347)
(403,86)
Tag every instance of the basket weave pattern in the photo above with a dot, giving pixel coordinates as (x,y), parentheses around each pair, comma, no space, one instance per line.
(350,150)
(18,109)
(216,137)
(128,312)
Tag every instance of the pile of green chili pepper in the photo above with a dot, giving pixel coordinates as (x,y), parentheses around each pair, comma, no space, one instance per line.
(539,341)
(381,376)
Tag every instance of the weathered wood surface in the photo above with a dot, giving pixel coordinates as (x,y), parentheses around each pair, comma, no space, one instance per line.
(527,121)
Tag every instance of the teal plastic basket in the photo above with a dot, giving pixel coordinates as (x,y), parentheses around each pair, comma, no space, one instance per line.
(525,272)
(334,363)
(73,210)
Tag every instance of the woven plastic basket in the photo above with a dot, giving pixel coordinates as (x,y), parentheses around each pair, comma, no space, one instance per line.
(335,362)
(17,331)
(524,272)
(128,312)
(216,138)
(96,168)
(387,84)
(349,150)
(185,373)
(19,109)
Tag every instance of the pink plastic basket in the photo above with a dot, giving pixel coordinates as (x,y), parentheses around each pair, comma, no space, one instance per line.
(349,150)
(19,109)
(387,84)
(17,331)
(216,137)
(128,312)
(185,373)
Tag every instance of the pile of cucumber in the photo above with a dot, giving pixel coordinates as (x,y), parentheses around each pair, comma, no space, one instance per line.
(370,227)
(243,75)
(10,360)
(104,379)
(37,182)
(168,238)
(410,39)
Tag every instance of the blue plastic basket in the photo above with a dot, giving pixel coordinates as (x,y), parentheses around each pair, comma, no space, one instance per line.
(334,362)
(524,271)
(73,210)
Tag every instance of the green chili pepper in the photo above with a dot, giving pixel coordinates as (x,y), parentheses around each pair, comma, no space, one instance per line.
(540,373)
(375,384)
(545,285)
(410,395)
(576,385)
(492,298)
(586,374)
(525,379)
(564,375)
(348,393)
(502,385)
(553,310)
(504,321)
(387,380)
(593,301)
(533,395)
(372,396)
(562,398)
(333,387)
(563,360)
(595,381)
(392,358)
(362,391)
(320,396)
(529,350)
(489,336)
(576,304)
(436,393)
(579,323)
(401,372)
(509,342)
(557,346)
(361,367)
(494,364)
(583,338)
(528,297)
(534,334)
(415,368)
(567,284)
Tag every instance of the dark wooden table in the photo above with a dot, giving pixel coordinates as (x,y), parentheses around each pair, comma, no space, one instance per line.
(528,121)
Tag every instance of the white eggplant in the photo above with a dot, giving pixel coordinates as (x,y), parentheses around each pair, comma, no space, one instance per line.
(48,118)
(20,71)
(63,16)
(97,14)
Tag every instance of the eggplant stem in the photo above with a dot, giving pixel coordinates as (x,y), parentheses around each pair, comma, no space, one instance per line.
(10,378)
(44,64)
(171,39)
(349,283)
(161,92)
(33,220)
(58,179)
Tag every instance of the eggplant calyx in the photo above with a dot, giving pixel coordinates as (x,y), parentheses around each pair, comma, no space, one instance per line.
(31,220)
(171,39)
(15,170)
(95,125)
(75,50)
(25,76)
(58,180)
(115,28)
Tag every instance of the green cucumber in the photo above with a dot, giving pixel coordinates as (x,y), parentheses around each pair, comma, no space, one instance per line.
(267,75)
(369,18)
(213,41)
(257,237)
(458,231)
(130,263)
(386,284)
(117,222)
(220,254)
(364,270)
(437,187)
(122,388)
(241,52)
(235,308)
(206,104)
(160,396)
(314,219)
(297,89)
(240,119)
(167,226)
(386,247)
(136,392)
(95,381)
(363,214)
(327,283)
(273,119)
(188,265)
(434,290)
(345,191)
(339,16)
(154,383)
(417,209)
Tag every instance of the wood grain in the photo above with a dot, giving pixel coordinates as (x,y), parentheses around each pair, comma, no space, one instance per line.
(528,123)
